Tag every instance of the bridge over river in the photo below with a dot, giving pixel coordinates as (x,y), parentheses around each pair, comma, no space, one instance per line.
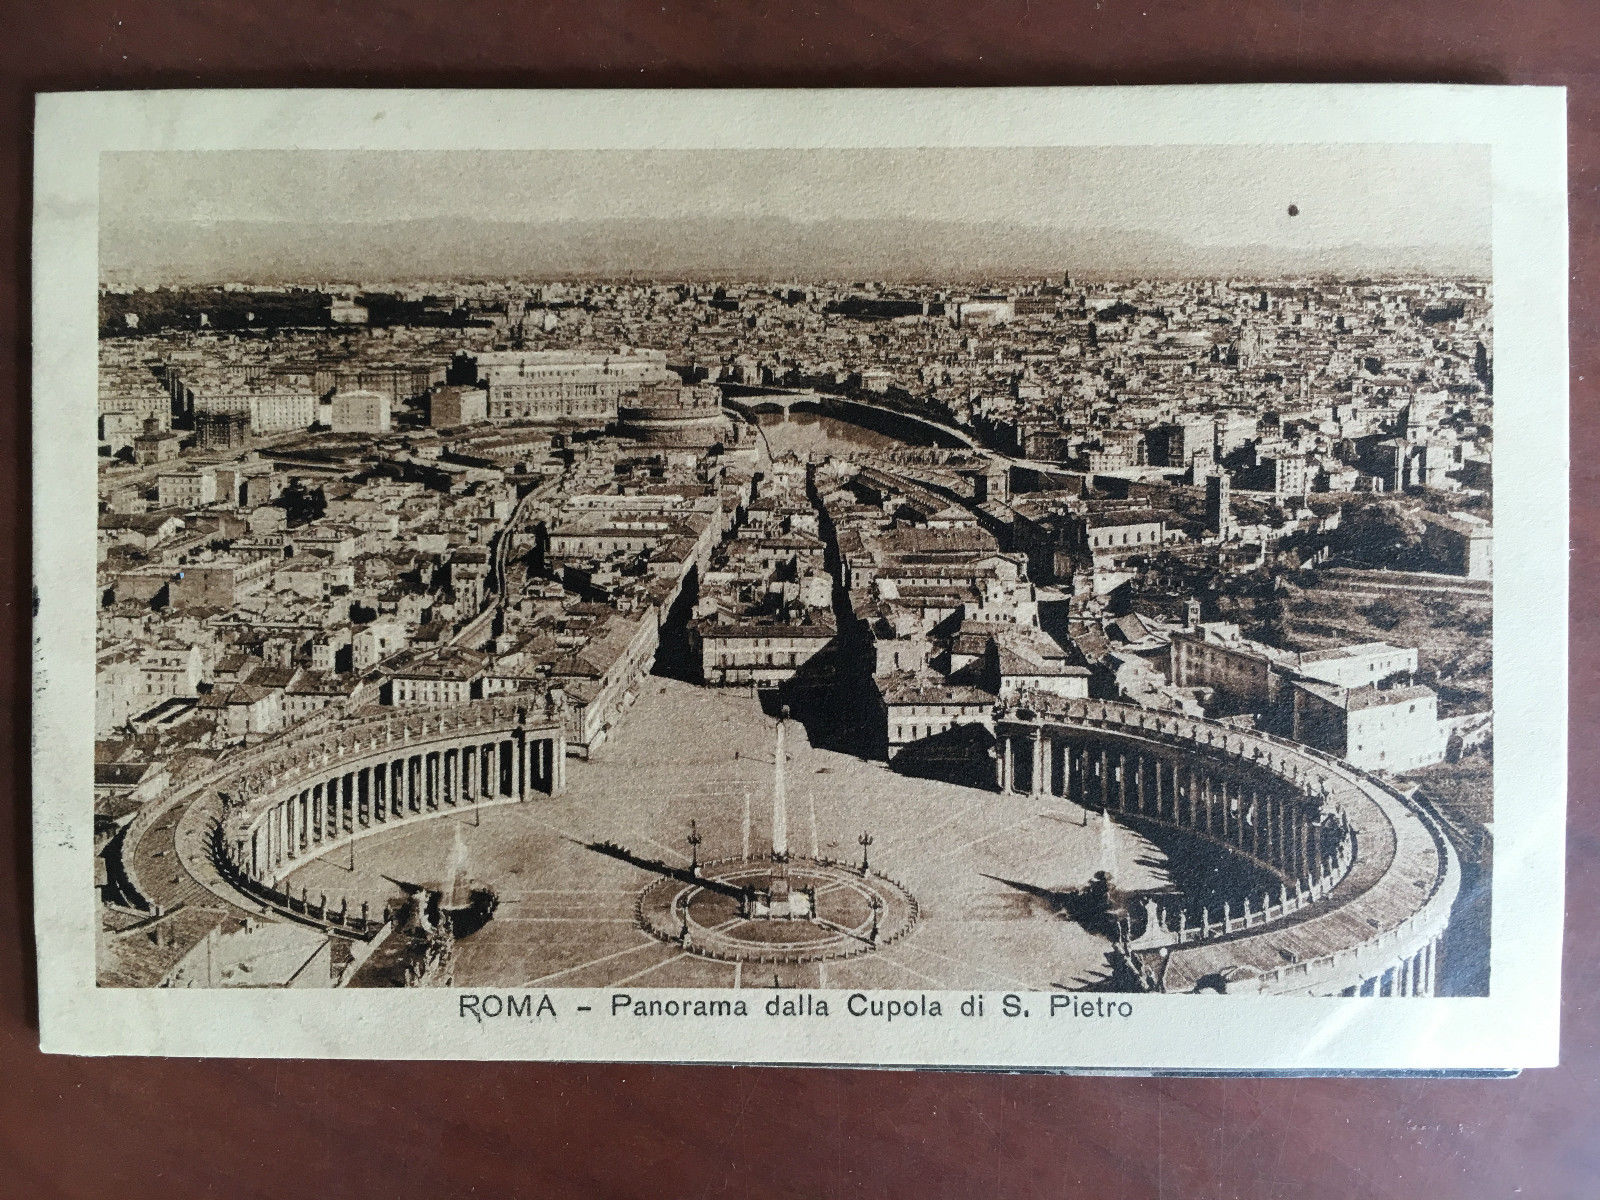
(750,400)
(917,428)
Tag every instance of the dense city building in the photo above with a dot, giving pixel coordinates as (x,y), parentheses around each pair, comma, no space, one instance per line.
(974,533)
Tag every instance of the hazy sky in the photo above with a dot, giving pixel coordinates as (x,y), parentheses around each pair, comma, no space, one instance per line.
(1346,195)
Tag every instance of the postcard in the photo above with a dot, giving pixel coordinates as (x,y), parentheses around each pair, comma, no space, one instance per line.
(1026,579)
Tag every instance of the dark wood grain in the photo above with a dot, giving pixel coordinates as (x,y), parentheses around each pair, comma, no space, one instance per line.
(130,1129)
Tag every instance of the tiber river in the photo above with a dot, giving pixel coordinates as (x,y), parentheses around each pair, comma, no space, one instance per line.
(812,433)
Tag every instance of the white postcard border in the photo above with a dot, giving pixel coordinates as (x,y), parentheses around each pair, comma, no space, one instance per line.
(1515,1026)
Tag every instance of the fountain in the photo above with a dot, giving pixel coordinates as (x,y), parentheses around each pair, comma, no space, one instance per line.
(455,901)
(455,893)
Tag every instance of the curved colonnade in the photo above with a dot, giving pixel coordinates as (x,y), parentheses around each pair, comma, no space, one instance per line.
(244,829)
(1365,881)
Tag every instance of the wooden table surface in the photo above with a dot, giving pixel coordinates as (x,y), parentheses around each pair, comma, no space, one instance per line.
(130,1128)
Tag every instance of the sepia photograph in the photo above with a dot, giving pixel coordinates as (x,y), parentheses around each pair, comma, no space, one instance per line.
(896,582)
(1044,569)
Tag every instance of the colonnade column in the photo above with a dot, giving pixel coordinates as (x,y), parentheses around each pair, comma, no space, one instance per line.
(300,823)
(1271,803)
(1272,816)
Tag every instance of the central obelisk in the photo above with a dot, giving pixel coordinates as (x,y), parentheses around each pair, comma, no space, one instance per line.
(779,888)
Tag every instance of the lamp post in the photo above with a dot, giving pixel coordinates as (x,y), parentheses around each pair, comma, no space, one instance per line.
(694,840)
(864,841)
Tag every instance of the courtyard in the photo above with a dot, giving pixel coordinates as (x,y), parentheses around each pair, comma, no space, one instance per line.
(992,875)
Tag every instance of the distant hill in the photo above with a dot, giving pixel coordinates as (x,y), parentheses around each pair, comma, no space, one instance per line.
(711,248)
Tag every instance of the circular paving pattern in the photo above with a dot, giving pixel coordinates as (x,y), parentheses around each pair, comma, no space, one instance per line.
(708,916)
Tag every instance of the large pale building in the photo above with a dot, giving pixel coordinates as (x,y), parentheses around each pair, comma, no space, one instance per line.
(1377,730)
(272,407)
(282,412)
(360,412)
(569,386)
(1369,664)
(763,654)
(136,394)
(194,487)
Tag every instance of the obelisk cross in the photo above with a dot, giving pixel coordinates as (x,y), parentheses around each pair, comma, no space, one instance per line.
(780,818)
